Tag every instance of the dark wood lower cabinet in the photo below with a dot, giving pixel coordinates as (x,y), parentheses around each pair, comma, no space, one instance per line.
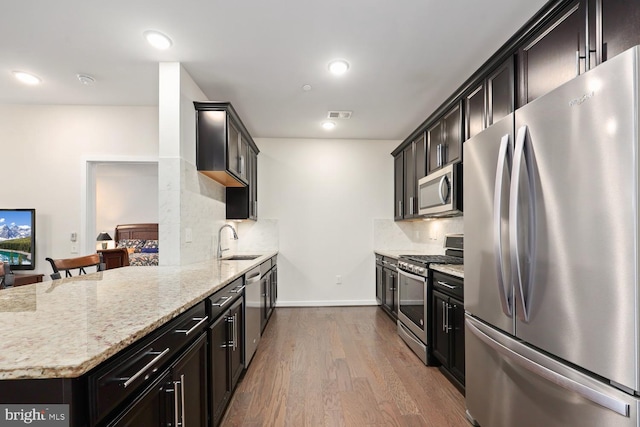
(177,398)
(227,361)
(448,335)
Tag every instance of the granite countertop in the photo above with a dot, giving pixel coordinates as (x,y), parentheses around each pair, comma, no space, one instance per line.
(452,269)
(64,328)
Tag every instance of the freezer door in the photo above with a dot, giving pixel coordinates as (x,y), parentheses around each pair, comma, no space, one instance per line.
(575,197)
(510,384)
(488,291)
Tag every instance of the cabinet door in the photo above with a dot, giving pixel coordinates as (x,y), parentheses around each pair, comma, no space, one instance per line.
(398,186)
(456,332)
(394,281)
(235,319)
(409,180)
(233,147)
(420,155)
(551,57)
(253,184)
(220,386)
(474,106)
(151,408)
(500,92)
(453,135)
(189,376)
(435,146)
(619,21)
(243,157)
(379,283)
(273,294)
(264,299)
(440,335)
(389,290)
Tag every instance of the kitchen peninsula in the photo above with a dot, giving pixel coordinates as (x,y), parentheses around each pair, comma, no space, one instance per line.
(58,334)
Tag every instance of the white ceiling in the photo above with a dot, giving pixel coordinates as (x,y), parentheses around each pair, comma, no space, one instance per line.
(406,56)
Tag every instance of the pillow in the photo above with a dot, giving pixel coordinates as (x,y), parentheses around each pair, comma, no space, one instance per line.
(149,250)
(136,244)
(150,244)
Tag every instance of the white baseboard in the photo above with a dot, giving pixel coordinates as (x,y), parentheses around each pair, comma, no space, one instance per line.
(326,303)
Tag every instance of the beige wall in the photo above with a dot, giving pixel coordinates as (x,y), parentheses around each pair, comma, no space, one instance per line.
(43,151)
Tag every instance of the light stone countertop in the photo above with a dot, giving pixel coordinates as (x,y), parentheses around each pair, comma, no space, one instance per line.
(452,269)
(396,253)
(64,328)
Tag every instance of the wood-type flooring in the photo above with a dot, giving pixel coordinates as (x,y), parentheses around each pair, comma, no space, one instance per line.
(340,366)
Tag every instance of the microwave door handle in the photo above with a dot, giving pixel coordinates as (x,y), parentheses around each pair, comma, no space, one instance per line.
(441,188)
(503,291)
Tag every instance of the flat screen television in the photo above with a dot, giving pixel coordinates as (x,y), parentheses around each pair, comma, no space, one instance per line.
(18,238)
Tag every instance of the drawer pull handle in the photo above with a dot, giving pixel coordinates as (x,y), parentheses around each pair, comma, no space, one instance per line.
(225,300)
(135,376)
(446,285)
(200,320)
(237,289)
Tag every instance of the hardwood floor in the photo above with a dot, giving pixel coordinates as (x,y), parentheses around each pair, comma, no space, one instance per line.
(340,366)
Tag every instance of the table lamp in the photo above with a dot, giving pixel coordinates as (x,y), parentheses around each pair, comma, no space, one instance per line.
(104,238)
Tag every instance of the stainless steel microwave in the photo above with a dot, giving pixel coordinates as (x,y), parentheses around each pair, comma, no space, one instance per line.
(440,192)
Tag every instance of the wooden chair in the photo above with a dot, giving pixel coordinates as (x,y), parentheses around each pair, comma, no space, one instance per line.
(6,275)
(80,263)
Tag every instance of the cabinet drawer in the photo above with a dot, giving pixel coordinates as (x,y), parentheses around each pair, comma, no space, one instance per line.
(219,302)
(138,365)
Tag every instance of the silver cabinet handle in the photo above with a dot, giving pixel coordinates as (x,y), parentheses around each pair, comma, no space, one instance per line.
(560,380)
(225,299)
(411,205)
(184,423)
(448,327)
(438,156)
(237,289)
(200,322)
(446,285)
(400,208)
(235,331)
(444,320)
(176,403)
(503,291)
(135,376)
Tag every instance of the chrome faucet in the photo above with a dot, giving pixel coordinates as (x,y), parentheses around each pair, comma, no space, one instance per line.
(235,237)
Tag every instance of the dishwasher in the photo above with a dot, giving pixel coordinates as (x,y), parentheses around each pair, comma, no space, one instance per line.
(252,313)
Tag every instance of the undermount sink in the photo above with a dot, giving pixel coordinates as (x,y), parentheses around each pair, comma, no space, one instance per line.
(241,257)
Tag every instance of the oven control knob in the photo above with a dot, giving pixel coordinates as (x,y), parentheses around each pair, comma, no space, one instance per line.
(420,270)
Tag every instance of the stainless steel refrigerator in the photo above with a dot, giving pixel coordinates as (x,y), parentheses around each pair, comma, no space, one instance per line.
(552,257)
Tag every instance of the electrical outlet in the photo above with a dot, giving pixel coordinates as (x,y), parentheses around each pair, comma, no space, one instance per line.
(338,280)
(74,248)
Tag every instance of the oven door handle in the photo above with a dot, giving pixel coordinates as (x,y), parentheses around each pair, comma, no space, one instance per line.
(411,276)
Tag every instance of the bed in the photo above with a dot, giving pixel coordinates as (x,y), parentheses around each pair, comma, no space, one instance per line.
(136,245)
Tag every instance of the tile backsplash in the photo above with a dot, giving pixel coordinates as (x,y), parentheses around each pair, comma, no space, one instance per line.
(421,235)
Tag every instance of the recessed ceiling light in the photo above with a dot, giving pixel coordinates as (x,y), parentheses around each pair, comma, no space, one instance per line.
(338,66)
(158,40)
(27,78)
(85,79)
(328,125)
(306,88)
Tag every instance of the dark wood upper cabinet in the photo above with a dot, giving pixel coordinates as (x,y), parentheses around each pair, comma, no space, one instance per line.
(475,111)
(444,140)
(222,143)
(619,22)
(500,92)
(553,55)
(398,186)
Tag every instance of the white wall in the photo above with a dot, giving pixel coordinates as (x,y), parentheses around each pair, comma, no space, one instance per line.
(42,152)
(325,196)
(126,193)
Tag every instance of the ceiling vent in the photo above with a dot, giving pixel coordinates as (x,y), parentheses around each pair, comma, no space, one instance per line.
(339,114)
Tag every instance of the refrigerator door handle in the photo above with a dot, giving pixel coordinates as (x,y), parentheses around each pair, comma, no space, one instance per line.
(585,391)
(503,291)
(514,225)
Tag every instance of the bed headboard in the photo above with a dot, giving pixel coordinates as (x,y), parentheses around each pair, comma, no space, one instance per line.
(137,231)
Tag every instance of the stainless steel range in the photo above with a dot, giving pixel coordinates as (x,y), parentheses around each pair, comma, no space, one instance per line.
(414,295)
